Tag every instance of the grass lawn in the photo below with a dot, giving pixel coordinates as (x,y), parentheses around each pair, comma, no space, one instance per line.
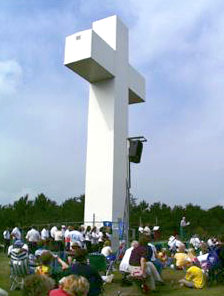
(170,276)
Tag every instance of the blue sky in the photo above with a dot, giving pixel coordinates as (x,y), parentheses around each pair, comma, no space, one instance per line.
(177,45)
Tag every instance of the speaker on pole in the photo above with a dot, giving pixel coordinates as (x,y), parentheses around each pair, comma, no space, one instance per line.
(135,151)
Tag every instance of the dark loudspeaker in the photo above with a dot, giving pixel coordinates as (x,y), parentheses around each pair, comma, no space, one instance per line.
(135,151)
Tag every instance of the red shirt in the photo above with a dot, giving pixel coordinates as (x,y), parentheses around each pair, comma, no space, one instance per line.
(58,292)
(137,254)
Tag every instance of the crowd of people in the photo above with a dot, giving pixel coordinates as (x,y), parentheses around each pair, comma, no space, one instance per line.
(58,259)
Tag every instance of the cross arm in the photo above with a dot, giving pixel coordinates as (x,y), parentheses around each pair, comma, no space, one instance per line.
(136,86)
(87,54)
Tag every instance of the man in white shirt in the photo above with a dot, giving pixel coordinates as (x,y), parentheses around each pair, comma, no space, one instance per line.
(6,236)
(147,230)
(58,240)
(16,234)
(33,237)
(52,231)
(76,235)
(183,225)
(44,234)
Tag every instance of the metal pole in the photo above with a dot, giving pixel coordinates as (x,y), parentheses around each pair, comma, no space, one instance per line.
(94,220)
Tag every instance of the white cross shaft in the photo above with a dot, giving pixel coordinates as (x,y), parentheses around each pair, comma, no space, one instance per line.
(100,55)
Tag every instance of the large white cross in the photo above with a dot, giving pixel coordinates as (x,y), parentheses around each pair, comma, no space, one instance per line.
(100,55)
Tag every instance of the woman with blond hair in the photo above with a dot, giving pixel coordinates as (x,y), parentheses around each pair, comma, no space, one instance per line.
(71,286)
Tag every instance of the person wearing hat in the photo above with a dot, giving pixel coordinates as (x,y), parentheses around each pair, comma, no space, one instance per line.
(6,236)
(18,248)
(16,234)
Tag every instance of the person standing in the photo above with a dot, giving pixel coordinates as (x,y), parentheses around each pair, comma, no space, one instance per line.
(33,237)
(67,238)
(58,240)
(52,231)
(76,235)
(6,236)
(16,234)
(183,225)
(88,238)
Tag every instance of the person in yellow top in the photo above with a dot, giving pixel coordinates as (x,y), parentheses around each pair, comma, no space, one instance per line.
(46,258)
(181,258)
(194,277)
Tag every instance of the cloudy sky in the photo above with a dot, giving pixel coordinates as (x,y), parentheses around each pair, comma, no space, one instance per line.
(177,45)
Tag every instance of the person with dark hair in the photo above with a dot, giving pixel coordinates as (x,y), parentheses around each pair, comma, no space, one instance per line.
(139,264)
(87,236)
(46,259)
(103,236)
(33,237)
(81,268)
(94,239)
(38,285)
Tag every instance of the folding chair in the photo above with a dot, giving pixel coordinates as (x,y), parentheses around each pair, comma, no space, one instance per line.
(19,269)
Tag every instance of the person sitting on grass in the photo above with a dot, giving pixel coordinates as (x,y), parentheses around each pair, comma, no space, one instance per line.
(194,277)
(71,286)
(163,257)
(181,259)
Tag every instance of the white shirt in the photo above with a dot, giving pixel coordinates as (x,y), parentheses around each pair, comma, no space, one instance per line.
(52,232)
(195,241)
(6,234)
(210,242)
(147,229)
(100,235)
(140,229)
(33,235)
(124,265)
(58,235)
(202,258)
(106,251)
(67,232)
(94,238)
(153,258)
(76,235)
(88,236)
(16,233)
(44,234)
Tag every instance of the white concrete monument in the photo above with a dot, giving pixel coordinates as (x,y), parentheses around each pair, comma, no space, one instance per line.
(100,55)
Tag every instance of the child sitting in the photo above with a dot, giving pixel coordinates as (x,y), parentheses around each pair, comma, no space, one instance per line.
(194,277)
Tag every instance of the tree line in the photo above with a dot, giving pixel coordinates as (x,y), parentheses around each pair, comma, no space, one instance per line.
(42,211)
